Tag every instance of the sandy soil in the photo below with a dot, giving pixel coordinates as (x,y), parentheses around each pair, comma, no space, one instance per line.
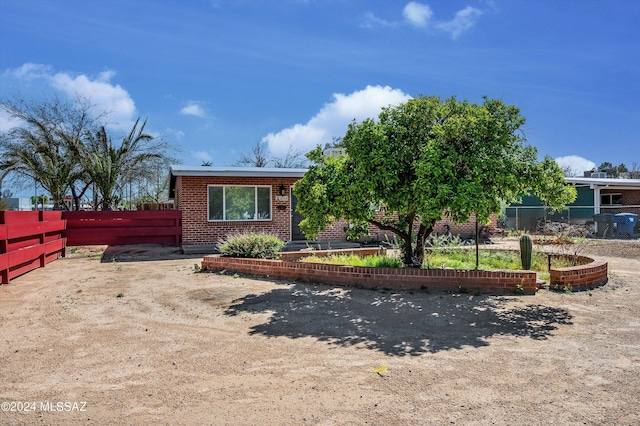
(179,347)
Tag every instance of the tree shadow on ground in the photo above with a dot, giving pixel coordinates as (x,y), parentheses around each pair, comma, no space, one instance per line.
(396,323)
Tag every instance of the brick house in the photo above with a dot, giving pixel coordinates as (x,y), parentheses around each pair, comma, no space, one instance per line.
(219,201)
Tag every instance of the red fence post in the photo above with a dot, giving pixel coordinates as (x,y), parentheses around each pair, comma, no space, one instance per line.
(29,240)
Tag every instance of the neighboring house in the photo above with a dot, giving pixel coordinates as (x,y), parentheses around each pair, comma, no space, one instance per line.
(596,195)
(19,204)
(220,201)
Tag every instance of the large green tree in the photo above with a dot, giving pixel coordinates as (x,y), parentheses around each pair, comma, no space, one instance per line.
(422,159)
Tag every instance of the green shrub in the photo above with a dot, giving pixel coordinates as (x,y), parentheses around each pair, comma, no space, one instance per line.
(253,245)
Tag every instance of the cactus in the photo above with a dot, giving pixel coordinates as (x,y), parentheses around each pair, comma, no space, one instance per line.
(526,248)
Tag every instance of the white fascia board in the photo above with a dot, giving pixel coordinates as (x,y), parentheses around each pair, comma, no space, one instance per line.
(236,171)
(606,182)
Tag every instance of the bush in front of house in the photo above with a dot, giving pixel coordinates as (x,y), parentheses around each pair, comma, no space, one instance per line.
(252,245)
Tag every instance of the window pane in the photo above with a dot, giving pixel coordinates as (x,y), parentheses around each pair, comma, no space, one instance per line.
(240,203)
(264,203)
(215,203)
(616,199)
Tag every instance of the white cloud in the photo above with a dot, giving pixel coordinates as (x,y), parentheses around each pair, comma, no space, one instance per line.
(421,16)
(195,109)
(29,71)
(107,97)
(100,92)
(7,123)
(202,155)
(372,21)
(463,21)
(417,14)
(333,119)
(577,165)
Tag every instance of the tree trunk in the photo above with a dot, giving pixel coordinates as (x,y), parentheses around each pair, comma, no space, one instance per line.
(423,233)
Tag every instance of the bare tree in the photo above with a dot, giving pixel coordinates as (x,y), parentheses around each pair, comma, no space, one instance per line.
(258,157)
(568,171)
(292,160)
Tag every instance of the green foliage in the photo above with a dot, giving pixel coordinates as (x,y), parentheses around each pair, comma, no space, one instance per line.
(252,245)
(489,260)
(526,249)
(376,261)
(566,289)
(442,244)
(110,165)
(420,159)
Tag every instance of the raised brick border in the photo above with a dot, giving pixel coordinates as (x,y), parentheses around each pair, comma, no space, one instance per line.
(446,280)
(583,277)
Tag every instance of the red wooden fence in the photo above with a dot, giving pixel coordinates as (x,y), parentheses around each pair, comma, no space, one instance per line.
(123,227)
(29,240)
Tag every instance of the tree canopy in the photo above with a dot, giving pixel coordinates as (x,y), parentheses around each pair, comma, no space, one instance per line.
(421,160)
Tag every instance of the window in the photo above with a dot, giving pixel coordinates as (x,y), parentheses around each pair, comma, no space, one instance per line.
(239,203)
(610,199)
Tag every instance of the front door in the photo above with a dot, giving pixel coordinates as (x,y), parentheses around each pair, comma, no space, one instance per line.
(296,218)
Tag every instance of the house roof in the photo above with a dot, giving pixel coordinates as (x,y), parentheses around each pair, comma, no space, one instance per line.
(179,170)
(605,182)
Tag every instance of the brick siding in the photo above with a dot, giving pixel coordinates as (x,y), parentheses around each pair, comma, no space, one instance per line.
(191,198)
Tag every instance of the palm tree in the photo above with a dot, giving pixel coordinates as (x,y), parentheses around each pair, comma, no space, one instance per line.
(110,166)
(35,151)
(38,148)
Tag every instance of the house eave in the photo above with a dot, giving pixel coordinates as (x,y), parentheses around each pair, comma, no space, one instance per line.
(206,171)
(608,183)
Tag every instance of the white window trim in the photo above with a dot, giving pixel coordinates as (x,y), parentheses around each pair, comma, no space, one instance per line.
(224,203)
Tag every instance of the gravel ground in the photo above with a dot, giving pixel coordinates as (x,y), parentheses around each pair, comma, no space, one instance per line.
(133,335)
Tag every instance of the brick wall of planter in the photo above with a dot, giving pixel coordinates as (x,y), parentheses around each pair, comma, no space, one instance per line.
(437,280)
(583,277)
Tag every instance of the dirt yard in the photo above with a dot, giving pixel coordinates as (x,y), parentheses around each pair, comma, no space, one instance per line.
(133,335)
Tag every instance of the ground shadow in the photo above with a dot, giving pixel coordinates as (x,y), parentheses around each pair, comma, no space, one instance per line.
(396,323)
(144,252)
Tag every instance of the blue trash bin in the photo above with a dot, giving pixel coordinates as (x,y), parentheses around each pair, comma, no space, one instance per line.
(625,223)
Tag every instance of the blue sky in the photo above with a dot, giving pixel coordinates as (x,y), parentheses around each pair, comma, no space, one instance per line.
(215,77)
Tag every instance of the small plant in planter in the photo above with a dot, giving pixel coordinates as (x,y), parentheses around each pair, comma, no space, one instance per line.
(251,245)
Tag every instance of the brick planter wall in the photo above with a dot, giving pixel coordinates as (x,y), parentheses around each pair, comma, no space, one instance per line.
(450,280)
(582,277)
